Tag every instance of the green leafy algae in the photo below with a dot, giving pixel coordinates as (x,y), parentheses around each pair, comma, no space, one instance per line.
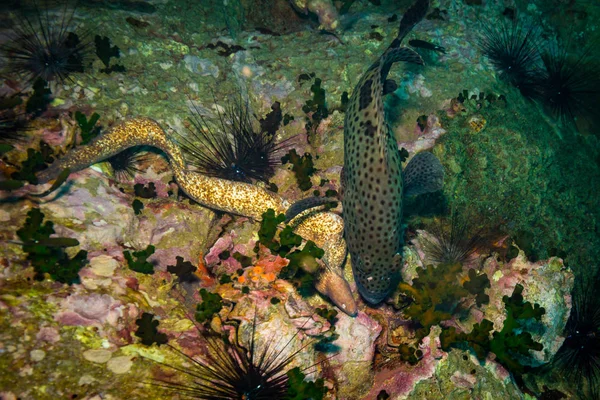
(316,107)
(183,269)
(36,161)
(105,52)
(268,229)
(211,304)
(435,294)
(41,97)
(303,262)
(302,166)
(476,285)
(509,343)
(299,389)
(47,255)
(145,192)
(89,130)
(140,264)
(148,332)
(305,259)
(138,206)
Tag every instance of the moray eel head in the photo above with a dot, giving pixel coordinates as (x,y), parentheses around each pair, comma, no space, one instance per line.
(335,287)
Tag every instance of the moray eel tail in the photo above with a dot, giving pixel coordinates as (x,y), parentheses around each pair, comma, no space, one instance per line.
(134,132)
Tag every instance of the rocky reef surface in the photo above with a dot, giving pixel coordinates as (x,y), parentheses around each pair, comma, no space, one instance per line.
(82,340)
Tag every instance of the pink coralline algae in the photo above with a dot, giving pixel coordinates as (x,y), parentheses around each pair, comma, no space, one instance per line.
(417,85)
(351,367)
(87,310)
(48,334)
(150,176)
(547,283)
(425,138)
(357,337)
(225,243)
(58,135)
(402,380)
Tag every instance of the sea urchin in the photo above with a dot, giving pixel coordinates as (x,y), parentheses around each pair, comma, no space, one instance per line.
(453,240)
(43,46)
(578,359)
(233,149)
(125,164)
(229,371)
(569,84)
(513,51)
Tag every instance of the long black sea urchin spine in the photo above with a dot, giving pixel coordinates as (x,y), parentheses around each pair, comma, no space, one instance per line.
(45,47)
(232,148)
(513,50)
(229,371)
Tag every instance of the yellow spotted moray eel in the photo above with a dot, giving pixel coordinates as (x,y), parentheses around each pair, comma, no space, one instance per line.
(373,182)
(324,228)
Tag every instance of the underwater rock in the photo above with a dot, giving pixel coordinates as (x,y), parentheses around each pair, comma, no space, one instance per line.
(400,380)
(547,283)
(425,139)
(268,90)
(352,365)
(412,256)
(417,86)
(200,66)
(101,274)
(99,356)
(437,375)
(48,334)
(459,375)
(60,133)
(103,265)
(93,212)
(272,17)
(275,329)
(224,244)
(331,149)
(96,213)
(175,229)
(89,310)
(324,9)
(120,365)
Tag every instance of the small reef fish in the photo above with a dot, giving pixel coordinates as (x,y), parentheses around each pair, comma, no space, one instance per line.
(426,45)
(324,228)
(373,182)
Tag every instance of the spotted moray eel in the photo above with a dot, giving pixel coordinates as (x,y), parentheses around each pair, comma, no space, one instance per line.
(324,228)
